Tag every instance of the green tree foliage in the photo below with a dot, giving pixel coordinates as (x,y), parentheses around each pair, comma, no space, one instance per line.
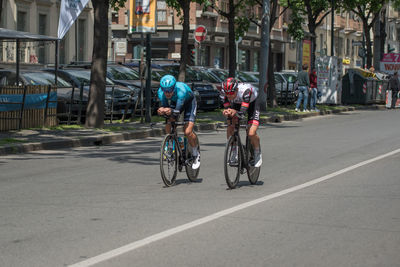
(238,24)
(182,8)
(269,88)
(307,12)
(368,12)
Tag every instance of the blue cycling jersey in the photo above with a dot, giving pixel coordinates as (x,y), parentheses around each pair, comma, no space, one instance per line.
(182,94)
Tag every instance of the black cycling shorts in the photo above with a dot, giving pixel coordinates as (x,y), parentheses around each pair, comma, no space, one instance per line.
(253,112)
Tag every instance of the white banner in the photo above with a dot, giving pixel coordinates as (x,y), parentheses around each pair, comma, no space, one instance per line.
(69,12)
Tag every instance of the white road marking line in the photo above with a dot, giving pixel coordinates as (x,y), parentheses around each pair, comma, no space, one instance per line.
(143,242)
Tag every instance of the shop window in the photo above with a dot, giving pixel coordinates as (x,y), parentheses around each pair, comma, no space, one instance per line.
(22,21)
(43,31)
(204,56)
(161,11)
(62,50)
(219,58)
(256,65)
(82,39)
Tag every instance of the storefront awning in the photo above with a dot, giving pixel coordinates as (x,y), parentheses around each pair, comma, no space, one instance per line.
(6,34)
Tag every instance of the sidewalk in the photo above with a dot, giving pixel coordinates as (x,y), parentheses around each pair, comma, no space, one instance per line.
(43,139)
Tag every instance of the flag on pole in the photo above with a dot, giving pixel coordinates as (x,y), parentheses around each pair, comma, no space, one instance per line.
(69,12)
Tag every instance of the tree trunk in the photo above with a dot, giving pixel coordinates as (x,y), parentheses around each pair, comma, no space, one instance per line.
(232,46)
(185,40)
(369,47)
(271,94)
(312,29)
(95,108)
(264,85)
(1,10)
(232,39)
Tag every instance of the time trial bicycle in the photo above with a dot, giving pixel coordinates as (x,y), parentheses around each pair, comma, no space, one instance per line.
(176,154)
(239,158)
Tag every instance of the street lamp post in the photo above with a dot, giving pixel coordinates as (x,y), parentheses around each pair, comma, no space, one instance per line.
(333,28)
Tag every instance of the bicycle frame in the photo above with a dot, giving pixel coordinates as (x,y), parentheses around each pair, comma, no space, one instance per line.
(242,148)
(182,160)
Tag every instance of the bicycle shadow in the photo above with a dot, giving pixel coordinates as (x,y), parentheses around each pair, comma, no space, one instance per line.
(185,181)
(247,183)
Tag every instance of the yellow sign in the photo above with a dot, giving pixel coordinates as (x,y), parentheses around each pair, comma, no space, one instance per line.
(142,16)
(346,61)
(307,53)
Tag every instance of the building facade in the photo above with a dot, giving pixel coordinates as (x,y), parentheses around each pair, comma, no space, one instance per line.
(41,17)
(213,52)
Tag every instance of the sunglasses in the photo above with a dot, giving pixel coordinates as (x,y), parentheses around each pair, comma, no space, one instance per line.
(168,90)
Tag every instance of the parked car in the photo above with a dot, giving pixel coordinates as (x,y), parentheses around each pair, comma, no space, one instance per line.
(209,96)
(130,77)
(254,74)
(284,84)
(208,76)
(117,97)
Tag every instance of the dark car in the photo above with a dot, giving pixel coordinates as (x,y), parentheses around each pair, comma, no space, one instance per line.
(156,75)
(284,85)
(208,76)
(118,99)
(130,77)
(209,96)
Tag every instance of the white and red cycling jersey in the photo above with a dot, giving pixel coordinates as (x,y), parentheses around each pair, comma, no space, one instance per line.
(245,101)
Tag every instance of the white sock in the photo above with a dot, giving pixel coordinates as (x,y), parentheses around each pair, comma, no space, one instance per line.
(195,152)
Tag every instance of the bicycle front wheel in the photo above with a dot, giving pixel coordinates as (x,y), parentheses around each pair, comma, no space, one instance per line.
(232,162)
(190,172)
(252,172)
(169,160)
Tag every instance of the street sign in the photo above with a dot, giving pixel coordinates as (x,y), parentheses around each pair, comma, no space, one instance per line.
(357,43)
(200,34)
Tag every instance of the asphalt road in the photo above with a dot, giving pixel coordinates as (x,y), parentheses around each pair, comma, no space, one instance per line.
(328,195)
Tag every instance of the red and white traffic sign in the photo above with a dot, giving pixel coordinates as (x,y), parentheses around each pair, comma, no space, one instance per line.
(200,34)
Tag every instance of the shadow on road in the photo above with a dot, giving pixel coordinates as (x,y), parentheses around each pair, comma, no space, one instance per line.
(247,183)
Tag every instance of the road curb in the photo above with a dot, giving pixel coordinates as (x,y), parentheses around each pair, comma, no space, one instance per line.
(105,139)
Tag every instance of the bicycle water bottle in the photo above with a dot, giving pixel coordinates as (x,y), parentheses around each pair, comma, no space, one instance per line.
(185,143)
(181,143)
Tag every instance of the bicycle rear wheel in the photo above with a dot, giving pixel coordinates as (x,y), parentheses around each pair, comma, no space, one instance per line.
(232,164)
(191,173)
(169,160)
(252,172)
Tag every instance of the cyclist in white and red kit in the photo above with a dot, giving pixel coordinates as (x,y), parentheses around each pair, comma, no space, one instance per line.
(239,99)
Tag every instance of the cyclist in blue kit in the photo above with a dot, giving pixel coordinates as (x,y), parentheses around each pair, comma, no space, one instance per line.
(177,97)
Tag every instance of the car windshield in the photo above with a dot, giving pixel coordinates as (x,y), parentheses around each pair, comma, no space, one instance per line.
(83,76)
(122,73)
(191,75)
(245,77)
(209,77)
(221,74)
(290,77)
(44,78)
(156,75)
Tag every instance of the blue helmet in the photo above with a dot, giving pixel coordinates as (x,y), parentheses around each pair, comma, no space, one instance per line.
(167,83)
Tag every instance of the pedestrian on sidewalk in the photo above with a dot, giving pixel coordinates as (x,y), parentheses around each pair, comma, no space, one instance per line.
(303,80)
(394,85)
(314,90)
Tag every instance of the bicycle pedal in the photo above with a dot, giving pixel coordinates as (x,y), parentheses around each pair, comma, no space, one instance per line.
(233,164)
